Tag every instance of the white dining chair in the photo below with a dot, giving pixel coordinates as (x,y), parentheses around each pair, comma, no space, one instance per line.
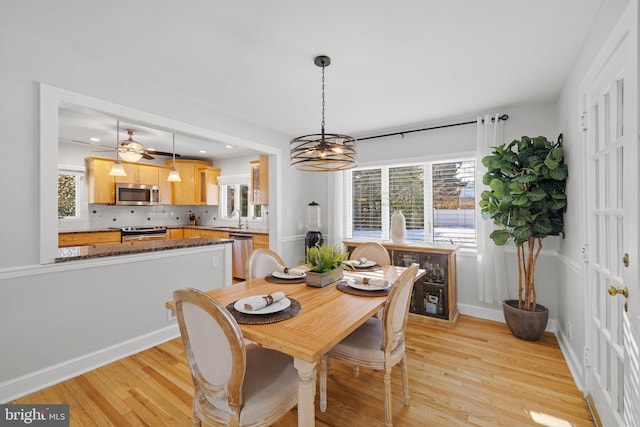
(372,251)
(262,262)
(378,344)
(236,384)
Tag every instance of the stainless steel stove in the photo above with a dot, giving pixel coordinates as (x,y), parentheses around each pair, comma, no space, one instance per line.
(143,233)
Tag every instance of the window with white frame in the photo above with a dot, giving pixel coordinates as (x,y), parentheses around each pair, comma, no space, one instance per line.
(234,197)
(70,193)
(437,199)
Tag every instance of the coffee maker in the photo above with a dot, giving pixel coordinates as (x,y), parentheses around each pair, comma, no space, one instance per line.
(314,236)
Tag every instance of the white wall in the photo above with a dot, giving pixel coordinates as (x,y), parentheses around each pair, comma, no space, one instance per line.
(82,314)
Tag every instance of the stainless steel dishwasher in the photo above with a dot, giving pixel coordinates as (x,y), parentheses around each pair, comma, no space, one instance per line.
(242,248)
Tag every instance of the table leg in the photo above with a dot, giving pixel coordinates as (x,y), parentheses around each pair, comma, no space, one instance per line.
(306,392)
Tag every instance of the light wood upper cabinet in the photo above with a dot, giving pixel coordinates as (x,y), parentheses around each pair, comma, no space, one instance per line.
(259,191)
(102,187)
(166,189)
(209,190)
(195,175)
(139,173)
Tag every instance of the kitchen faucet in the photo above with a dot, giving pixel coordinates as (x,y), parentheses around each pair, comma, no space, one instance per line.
(240,218)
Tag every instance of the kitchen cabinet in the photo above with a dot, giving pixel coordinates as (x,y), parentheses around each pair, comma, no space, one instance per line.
(139,173)
(101,185)
(260,241)
(209,189)
(175,233)
(88,238)
(259,180)
(166,189)
(215,234)
(434,297)
(188,191)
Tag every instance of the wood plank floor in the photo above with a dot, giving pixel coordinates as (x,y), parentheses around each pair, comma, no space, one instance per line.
(477,374)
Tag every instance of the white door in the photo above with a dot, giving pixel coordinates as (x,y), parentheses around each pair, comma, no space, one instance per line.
(611,102)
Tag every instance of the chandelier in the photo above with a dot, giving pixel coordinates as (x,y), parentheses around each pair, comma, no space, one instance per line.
(324,152)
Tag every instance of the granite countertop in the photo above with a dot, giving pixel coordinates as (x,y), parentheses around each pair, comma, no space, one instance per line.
(100,251)
(196,227)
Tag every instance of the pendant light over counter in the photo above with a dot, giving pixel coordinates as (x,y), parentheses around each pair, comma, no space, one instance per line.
(324,152)
(117,169)
(174,176)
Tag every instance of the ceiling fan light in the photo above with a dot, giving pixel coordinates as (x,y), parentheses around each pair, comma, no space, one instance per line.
(130,156)
(174,176)
(117,169)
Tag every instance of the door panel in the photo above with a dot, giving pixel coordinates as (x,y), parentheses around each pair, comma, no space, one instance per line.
(611,103)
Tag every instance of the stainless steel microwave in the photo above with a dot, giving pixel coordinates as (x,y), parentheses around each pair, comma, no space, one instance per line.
(137,194)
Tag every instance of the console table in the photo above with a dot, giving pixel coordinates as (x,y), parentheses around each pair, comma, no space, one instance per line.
(434,297)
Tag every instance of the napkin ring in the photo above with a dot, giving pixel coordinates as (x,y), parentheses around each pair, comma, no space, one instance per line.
(269,299)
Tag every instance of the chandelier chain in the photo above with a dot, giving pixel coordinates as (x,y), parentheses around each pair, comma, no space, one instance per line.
(322,127)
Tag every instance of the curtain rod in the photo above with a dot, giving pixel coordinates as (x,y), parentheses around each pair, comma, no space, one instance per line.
(503,117)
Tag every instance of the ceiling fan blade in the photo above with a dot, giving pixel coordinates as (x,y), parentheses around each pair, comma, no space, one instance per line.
(146,156)
(94,144)
(160,153)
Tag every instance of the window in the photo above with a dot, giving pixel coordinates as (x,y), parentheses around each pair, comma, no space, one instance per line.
(436,198)
(234,196)
(70,194)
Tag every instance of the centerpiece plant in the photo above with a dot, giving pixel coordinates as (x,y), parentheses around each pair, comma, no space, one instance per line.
(526,201)
(325,264)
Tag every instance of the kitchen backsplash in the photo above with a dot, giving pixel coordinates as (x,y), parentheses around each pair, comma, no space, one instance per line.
(105,216)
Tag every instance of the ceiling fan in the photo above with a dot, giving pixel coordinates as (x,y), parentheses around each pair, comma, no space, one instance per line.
(131,150)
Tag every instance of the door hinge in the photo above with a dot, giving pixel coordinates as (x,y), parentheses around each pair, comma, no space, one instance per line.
(583,121)
(587,357)
(584,252)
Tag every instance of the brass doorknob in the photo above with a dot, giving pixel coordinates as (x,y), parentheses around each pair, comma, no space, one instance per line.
(613,291)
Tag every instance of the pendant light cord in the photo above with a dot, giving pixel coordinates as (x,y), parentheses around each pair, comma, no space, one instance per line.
(322,125)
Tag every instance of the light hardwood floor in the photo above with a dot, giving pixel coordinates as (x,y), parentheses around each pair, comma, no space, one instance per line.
(477,374)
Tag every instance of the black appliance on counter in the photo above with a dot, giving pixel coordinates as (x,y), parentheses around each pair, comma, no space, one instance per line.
(314,236)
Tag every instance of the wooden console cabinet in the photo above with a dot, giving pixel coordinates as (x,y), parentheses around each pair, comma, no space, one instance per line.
(434,297)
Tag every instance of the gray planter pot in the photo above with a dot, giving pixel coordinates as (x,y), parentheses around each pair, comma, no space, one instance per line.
(527,325)
(319,280)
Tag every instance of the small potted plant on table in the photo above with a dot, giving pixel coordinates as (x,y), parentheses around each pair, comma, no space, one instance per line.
(325,265)
(526,200)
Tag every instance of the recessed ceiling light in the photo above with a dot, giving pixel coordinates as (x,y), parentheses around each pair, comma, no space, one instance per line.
(151,149)
(228,146)
(94,139)
(203,151)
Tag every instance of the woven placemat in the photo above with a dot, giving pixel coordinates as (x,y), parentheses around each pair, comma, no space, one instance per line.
(344,287)
(263,319)
(273,279)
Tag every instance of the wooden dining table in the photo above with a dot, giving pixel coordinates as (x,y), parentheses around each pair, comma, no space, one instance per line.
(326,317)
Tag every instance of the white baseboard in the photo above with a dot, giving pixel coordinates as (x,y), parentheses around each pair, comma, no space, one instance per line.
(574,362)
(34,381)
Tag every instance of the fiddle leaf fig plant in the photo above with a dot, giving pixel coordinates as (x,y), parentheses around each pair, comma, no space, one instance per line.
(526,201)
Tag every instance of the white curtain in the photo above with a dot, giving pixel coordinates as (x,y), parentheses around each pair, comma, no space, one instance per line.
(492,282)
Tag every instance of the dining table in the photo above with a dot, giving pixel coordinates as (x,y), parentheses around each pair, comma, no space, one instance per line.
(325,316)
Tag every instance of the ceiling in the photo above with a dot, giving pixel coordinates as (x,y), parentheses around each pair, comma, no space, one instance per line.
(394,64)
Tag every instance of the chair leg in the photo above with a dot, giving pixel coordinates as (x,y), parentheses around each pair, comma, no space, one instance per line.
(387,397)
(405,380)
(323,383)
(195,419)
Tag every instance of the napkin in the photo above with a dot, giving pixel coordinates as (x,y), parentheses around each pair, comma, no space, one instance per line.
(372,281)
(358,261)
(291,271)
(257,302)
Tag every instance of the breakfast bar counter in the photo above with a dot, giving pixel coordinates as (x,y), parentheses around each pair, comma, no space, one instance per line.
(75,253)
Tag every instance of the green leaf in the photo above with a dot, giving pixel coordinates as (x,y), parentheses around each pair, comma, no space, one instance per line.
(550,163)
(500,237)
(520,201)
(559,174)
(537,195)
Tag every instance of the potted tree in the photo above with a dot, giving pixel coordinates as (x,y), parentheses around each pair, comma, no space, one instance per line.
(526,201)
(325,265)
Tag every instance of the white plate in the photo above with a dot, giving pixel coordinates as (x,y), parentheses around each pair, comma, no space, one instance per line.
(357,285)
(366,264)
(273,308)
(281,275)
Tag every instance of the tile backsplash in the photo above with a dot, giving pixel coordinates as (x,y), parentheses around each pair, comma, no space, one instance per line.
(105,216)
